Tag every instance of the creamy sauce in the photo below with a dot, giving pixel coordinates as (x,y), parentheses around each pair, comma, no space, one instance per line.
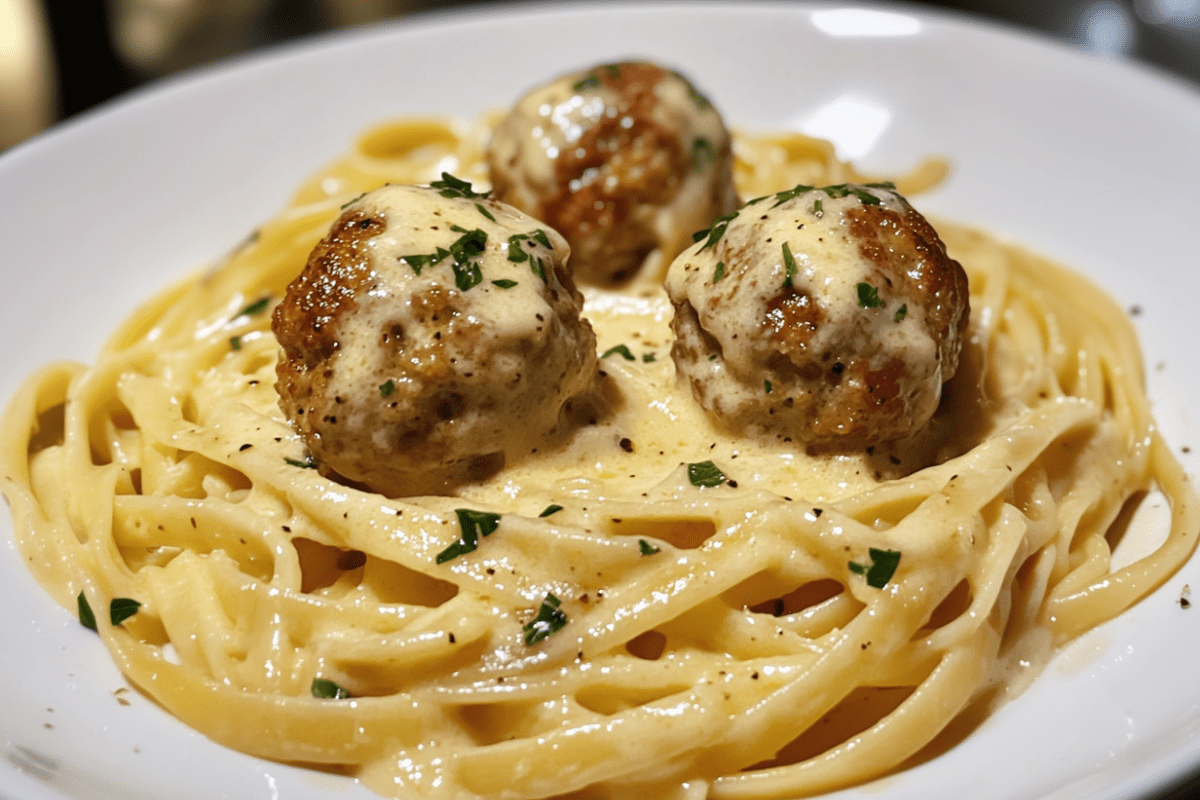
(808,315)
(437,345)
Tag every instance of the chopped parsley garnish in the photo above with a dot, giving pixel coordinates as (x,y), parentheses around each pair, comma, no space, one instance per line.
(451,186)
(719,272)
(649,357)
(307,463)
(705,473)
(789,266)
(466,249)
(703,152)
(882,568)
(620,350)
(349,203)
(868,296)
(420,262)
(714,233)
(901,312)
(121,609)
(553,508)
(386,388)
(592,79)
(257,307)
(86,618)
(474,524)
(518,254)
(504,283)
(839,190)
(791,194)
(485,212)
(550,618)
(864,197)
(702,102)
(645,548)
(465,252)
(235,342)
(767,386)
(325,689)
(589,81)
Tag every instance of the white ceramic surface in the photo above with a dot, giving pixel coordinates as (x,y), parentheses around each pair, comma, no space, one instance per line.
(1095,163)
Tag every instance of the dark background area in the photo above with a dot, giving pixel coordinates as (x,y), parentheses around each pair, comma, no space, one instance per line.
(91,66)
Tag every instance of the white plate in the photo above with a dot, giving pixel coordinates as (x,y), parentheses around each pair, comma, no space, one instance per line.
(1092,162)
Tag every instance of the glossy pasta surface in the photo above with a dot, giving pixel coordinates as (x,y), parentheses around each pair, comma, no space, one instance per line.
(657,608)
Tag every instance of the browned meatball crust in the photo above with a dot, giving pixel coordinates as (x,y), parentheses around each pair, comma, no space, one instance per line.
(430,339)
(625,160)
(830,316)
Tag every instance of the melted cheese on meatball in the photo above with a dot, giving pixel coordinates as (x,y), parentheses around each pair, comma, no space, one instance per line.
(826,316)
(625,160)
(433,337)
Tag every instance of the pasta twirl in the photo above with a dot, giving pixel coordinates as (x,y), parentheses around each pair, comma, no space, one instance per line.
(732,637)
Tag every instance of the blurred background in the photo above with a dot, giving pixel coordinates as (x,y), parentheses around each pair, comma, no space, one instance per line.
(61,57)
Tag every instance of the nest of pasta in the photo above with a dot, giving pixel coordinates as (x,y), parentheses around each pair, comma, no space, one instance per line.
(657,603)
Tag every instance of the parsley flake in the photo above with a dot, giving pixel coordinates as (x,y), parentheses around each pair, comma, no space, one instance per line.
(586,83)
(767,386)
(420,262)
(307,463)
(86,618)
(789,266)
(121,609)
(386,388)
(485,212)
(882,568)
(451,186)
(705,474)
(791,194)
(504,283)
(550,618)
(645,548)
(464,252)
(235,342)
(553,508)
(818,208)
(518,254)
(702,102)
(719,272)
(257,307)
(620,350)
(325,689)
(901,312)
(648,358)
(473,524)
(868,296)
(714,233)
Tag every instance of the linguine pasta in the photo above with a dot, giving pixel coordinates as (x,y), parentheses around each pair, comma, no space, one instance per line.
(657,608)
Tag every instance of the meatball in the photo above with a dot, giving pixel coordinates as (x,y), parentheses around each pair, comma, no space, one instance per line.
(433,335)
(829,316)
(625,160)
